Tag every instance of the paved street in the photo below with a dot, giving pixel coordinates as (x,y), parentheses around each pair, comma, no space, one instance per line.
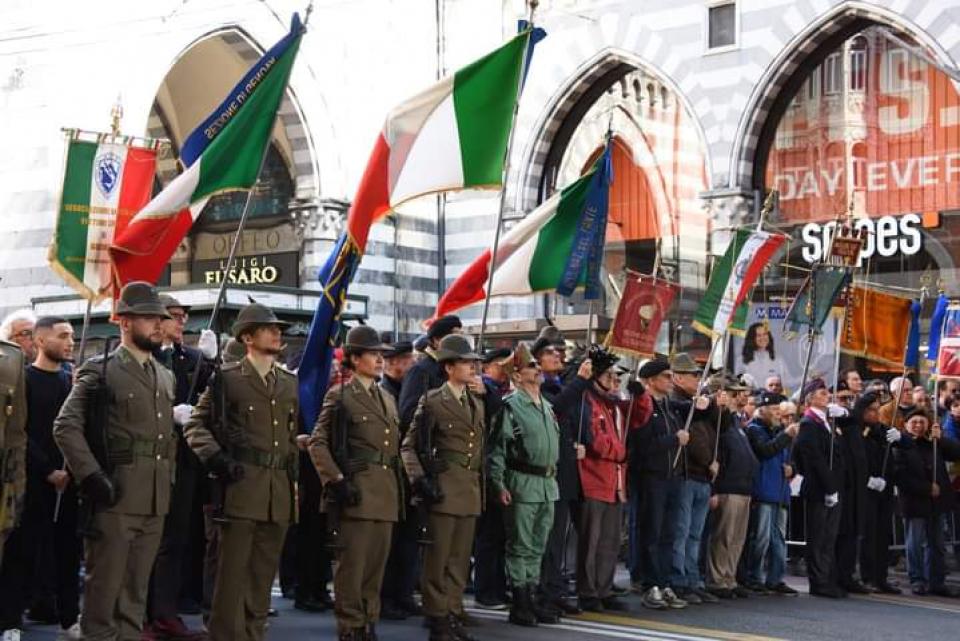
(872,618)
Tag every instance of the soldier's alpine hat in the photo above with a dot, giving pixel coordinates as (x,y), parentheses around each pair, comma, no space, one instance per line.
(455,347)
(169,301)
(253,315)
(140,298)
(364,338)
(682,363)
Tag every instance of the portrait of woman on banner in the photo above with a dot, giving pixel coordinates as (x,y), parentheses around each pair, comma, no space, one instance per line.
(758,356)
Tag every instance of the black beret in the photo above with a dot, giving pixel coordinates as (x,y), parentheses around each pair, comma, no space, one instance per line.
(813,386)
(916,411)
(398,349)
(421,343)
(654,367)
(496,354)
(444,326)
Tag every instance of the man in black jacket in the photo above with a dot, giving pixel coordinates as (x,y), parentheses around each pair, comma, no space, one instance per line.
(925,496)
(853,492)
(879,442)
(565,399)
(822,481)
(426,374)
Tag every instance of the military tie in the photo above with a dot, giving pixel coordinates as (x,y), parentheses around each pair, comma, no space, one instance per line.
(375,392)
(148,370)
(270,380)
(465,401)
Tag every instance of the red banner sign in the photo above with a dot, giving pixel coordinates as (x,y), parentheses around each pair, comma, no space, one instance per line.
(643,307)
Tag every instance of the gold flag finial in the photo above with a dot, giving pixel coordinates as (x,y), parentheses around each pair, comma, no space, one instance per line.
(116,114)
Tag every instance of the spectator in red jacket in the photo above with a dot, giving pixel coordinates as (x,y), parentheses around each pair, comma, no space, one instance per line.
(602,430)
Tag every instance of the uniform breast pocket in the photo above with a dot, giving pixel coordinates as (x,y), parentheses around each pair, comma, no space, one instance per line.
(136,406)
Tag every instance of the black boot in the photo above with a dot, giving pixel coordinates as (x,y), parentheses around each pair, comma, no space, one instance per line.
(371,632)
(522,612)
(543,613)
(439,628)
(457,630)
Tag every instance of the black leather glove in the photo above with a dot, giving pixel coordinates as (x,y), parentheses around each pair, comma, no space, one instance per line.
(345,493)
(101,489)
(428,489)
(226,468)
(635,388)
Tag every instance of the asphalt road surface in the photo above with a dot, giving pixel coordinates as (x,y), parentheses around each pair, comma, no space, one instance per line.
(803,618)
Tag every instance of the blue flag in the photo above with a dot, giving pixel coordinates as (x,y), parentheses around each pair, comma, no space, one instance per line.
(586,254)
(314,372)
(210,128)
(936,327)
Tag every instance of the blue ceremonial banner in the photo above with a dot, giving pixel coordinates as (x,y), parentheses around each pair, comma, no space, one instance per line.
(912,356)
(936,326)
(586,255)
(314,372)
(211,127)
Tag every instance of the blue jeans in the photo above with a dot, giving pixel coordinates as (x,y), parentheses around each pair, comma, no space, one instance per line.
(660,500)
(925,551)
(692,507)
(769,544)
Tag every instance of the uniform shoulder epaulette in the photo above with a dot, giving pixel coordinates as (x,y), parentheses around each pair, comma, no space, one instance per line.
(281,368)
(434,393)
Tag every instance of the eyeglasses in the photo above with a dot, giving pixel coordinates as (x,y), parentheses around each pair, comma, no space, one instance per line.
(23,333)
(180,317)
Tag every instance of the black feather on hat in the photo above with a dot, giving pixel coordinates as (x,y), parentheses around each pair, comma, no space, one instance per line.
(601,359)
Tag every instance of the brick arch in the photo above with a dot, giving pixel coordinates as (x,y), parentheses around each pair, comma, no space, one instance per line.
(570,102)
(784,75)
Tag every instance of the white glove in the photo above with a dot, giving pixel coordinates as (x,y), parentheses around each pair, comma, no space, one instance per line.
(876,483)
(893,435)
(831,499)
(207,343)
(836,411)
(181,413)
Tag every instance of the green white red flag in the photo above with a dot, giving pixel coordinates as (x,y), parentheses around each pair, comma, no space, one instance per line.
(224,153)
(104,185)
(732,279)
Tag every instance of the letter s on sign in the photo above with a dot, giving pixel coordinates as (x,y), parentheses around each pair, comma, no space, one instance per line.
(912,238)
(812,247)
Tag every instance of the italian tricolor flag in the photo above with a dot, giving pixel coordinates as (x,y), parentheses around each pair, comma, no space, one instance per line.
(531,256)
(451,136)
(236,136)
(104,185)
(732,278)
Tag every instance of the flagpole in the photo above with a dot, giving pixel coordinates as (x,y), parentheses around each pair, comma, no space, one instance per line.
(532,4)
(703,380)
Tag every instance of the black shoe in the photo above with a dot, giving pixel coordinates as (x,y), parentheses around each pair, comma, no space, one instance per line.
(855,587)
(325,598)
(756,588)
(590,604)
(457,630)
(613,603)
(522,611)
(307,604)
(566,606)
(782,589)
(543,614)
(410,606)
(828,591)
(704,595)
(272,612)
(467,620)
(439,628)
(722,593)
(943,590)
(919,589)
(392,612)
(616,590)
(886,588)
(741,592)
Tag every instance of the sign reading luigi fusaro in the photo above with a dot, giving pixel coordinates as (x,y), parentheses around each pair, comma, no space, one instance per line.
(263,269)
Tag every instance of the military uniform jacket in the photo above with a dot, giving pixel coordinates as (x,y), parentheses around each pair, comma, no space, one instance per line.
(13,432)
(373,442)
(139,432)
(457,439)
(539,432)
(260,433)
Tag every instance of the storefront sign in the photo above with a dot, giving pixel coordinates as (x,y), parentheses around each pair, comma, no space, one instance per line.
(263,269)
(269,240)
(884,236)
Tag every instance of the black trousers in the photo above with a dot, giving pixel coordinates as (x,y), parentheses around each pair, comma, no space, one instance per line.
(490,575)
(553,581)
(59,545)
(178,528)
(822,526)
(403,563)
(875,552)
(314,563)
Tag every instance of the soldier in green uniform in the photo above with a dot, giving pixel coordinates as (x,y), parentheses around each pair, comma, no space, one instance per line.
(245,432)
(443,456)
(523,469)
(363,478)
(13,437)
(124,467)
